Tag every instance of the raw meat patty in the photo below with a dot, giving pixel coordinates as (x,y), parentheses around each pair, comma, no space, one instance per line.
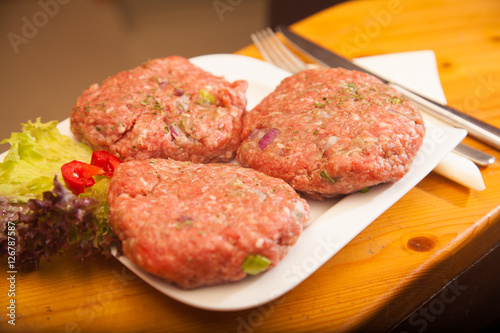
(166,107)
(329,132)
(194,224)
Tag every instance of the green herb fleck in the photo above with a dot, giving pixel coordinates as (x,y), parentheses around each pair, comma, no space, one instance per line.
(325,175)
(255,264)
(206,97)
(395,100)
(365,189)
(157,106)
(147,100)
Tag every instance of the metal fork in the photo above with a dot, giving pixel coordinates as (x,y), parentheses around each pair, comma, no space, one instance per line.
(275,52)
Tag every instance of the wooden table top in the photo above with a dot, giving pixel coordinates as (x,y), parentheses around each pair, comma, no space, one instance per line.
(415,248)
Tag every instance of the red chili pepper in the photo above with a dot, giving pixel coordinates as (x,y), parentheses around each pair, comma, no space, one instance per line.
(78,175)
(106,161)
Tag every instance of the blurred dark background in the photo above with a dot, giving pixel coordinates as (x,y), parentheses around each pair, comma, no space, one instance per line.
(290,11)
(51,50)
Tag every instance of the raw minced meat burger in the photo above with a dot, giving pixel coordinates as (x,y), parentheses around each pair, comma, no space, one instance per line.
(166,107)
(196,224)
(329,132)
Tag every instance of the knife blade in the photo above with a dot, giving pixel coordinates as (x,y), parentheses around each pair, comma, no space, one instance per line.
(477,128)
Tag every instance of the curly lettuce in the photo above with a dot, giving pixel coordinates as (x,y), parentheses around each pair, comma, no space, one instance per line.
(48,226)
(37,213)
(35,157)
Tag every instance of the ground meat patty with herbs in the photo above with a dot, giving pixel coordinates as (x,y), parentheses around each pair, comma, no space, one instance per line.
(329,132)
(203,224)
(166,107)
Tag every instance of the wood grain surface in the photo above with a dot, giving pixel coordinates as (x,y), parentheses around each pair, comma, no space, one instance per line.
(412,251)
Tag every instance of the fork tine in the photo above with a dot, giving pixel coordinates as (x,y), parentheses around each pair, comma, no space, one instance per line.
(256,38)
(268,50)
(275,52)
(293,61)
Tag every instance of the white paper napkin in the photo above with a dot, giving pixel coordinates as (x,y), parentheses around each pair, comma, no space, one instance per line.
(418,71)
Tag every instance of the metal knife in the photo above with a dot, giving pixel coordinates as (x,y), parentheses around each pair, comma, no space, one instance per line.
(477,128)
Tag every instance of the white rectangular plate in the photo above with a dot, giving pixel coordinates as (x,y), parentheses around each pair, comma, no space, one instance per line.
(333,222)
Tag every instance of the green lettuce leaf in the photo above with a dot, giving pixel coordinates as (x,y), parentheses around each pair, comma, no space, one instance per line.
(35,157)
